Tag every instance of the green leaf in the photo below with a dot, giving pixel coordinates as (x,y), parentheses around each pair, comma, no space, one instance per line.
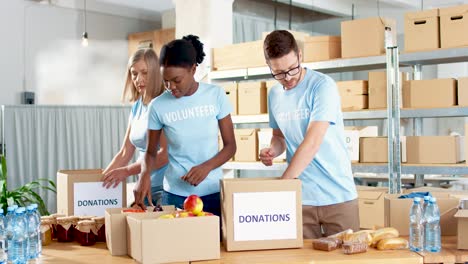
(3,168)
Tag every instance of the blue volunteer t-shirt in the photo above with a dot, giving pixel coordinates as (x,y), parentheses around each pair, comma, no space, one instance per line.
(138,120)
(190,124)
(328,179)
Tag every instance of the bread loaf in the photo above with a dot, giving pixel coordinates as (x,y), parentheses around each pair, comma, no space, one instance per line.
(364,236)
(354,247)
(392,243)
(383,233)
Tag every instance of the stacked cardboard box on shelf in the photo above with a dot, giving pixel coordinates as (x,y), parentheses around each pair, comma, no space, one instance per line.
(252,98)
(238,56)
(375,149)
(321,48)
(422,30)
(231,92)
(352,136)
(378,88)
(430,93)
(453,25)
(247,145)
(353,94)
(151,39)
(462,91)
(435,149)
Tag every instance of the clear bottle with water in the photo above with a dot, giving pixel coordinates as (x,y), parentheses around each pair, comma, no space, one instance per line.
(416,231)
(31,232)
(3,249)
(20,239)
(432,226)
(37,215)
(9,225)
(426,202)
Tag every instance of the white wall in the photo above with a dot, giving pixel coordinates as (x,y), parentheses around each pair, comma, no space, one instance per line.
(54,61)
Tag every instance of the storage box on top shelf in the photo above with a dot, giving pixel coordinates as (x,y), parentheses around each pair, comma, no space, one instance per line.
(252,98)
(353,134)
(321,48)
(422,30)
(253,207)
(462,90)
(80,192)
(238,56)
(462,227)
(430,93)
(397,212)
(453,25)
(264,140)
(116,229)
(378,88)
(435,149)
(365,37)
(231,92)
(353,94)
(375,149)
(247,145)
(156,240)
(371,206)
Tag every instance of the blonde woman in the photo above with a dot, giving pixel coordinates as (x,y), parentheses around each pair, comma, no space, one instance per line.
(143,83)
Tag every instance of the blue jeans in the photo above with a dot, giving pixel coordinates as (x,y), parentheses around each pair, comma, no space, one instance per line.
(211,202)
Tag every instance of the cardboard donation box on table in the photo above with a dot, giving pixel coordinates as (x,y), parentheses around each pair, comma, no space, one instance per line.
(80,192)
(462,238)
(153,240)
(371,206)
(116,229)
(261,213)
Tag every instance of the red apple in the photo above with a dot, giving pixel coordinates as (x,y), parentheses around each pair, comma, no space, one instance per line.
(180,214)
(193,204)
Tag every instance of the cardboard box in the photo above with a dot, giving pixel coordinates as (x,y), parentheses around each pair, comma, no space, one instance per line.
(231,92)
(430,93)
(453,25)
(397,213)
(356,87)
(422,30)
(354,102)
(466,141)
(378,88)
(253,207)
(252,97)
(462,225)
(463,91)
(352,36)
(352,136)
(264,140)
(151,39)
(320,48)
(375,149)
(238,56)
(173,240)
(371,206)
(247,145)
(116,229)
(80,192)
(435,149)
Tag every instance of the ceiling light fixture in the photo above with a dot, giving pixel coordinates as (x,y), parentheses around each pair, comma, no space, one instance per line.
(84,37)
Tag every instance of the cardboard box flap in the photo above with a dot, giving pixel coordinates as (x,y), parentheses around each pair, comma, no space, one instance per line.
(244,132)
(462,214)
(454,10)
(323,39)
(421,15)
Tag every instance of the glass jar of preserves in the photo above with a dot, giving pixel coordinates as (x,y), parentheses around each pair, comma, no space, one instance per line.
(100,229)
(66,228)
(54,225)
(46,229)
(85,232)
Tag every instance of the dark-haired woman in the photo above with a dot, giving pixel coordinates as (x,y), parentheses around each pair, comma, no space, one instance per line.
(191,114)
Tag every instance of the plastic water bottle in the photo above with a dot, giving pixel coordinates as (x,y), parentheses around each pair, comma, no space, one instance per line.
(38,230)
(416,231)
(426,202)
(432,216)
(31,232)
(10,223)
(20,239)
(3,249)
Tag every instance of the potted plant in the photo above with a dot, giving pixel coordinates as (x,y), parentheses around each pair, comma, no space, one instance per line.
(24,195)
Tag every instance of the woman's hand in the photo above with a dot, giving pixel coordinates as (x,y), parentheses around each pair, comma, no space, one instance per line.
(197,174)
(115,177)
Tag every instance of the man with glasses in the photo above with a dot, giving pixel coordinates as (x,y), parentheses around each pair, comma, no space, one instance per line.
(305,114)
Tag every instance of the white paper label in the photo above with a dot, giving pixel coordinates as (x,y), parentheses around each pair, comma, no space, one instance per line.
(90,198)
(264,216)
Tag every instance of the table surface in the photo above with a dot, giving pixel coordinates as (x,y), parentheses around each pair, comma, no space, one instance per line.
(73,253)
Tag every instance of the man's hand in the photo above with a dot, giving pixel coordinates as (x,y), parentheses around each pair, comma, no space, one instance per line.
(142,189)
(267,155)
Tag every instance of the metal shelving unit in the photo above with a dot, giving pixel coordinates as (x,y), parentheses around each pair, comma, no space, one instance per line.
(415,60)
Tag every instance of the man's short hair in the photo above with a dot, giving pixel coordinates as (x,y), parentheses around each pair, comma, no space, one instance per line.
(279,43)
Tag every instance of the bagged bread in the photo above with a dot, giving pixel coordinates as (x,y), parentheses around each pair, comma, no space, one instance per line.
(342,235)
(354,247)
(392,243)
(383,233)
(326,243)
(364,236)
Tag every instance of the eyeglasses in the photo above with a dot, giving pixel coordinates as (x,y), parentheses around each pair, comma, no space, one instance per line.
(291,72)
